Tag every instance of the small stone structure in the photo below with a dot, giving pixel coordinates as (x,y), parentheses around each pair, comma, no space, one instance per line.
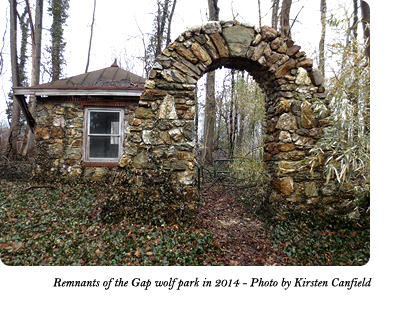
(160,123)
(65,110)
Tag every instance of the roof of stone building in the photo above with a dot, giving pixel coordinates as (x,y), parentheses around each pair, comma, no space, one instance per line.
(111,78)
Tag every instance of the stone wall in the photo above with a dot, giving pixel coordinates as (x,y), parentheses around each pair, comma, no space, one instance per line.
(59,137)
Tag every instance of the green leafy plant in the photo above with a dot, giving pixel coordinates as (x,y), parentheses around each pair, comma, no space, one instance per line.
(151,196)
(61,224)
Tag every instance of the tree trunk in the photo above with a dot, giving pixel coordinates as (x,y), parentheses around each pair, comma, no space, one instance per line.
(355,18)
(29,143)
(322,38)
(169,23)
(210,117)
(91,38)
(24,25)
(231,134)
(366,25)
(213,10)
(58,10)
(162,16)
(284,18)
(37,36)
(275,14)
(210,104)
(259,11)
(15,120)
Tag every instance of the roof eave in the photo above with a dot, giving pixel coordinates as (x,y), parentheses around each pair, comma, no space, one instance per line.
(79,91)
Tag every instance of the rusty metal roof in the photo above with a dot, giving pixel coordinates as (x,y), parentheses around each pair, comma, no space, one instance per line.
(113,76)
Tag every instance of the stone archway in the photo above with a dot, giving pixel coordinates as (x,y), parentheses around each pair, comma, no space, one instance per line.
(166,110)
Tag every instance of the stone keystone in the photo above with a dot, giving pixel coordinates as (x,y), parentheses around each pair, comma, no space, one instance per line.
(239,39)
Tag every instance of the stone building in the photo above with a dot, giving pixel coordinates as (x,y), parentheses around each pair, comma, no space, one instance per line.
(82,121)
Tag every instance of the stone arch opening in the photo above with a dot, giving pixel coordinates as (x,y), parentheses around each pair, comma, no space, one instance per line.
(291,87)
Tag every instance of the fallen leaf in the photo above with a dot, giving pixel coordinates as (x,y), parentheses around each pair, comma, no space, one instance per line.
(137,252)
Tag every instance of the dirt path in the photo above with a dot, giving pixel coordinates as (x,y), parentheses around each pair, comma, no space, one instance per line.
(242,238)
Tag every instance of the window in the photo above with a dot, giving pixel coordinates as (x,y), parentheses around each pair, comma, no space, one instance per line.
(103,135)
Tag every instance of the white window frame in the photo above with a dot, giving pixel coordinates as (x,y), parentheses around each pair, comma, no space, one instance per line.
(86,134)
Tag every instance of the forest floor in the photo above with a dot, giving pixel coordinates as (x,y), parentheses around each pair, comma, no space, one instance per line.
(61,224)
(242,238)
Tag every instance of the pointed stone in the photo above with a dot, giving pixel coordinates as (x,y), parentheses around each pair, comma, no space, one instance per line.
(167,108)
(188,64)
(292,50)
(283,48)
(185,70)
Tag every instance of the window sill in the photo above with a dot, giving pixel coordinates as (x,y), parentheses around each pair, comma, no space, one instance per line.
(99,164)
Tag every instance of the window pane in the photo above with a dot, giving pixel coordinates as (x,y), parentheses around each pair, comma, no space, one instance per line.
(102,147)
(104,122)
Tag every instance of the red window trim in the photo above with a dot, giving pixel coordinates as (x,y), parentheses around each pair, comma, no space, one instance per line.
(104,104)
(99,164)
